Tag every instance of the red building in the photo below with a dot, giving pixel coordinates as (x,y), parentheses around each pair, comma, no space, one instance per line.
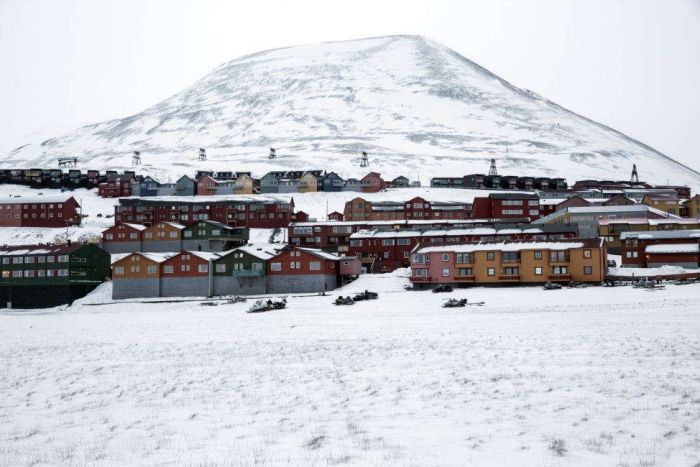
(39,211)
(241,211)
(506,205)
(359,209)
(660,247)
(332,235)
(386,250)
(336,216)
(115,187)
(307,270)
(372,183)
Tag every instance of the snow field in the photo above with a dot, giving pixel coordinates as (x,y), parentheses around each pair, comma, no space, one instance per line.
(597,376)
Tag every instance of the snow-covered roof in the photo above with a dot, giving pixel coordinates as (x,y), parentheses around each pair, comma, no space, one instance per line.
(157,257)
(444,232)
(135,226)
(35,199)
(320,253)
(674,248)
(642,220)
(661,234)
(205,255)
(505,246)
(604,211)
(263,251)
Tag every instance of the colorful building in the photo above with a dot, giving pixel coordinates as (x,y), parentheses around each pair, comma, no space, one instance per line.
(359,209)
(509,263)
(506,206)
(39,211)
(658,248)
(46,275)
(611,229)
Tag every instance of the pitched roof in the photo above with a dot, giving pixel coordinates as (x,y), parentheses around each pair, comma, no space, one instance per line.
(320,253)
(263,251)
(35,199)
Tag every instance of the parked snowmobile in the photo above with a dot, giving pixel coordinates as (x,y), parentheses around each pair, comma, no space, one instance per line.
(344,300)
(236,299)
(442,288)
(258,307)
(551,286)
(454,303)
(278,305)
(366,295)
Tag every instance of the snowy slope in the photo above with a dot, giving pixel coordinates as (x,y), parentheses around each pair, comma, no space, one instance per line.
(413,104)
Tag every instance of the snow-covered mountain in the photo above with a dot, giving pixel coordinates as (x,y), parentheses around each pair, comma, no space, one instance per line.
(417,107)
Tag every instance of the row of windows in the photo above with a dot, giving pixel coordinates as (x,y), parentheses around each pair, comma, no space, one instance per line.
(34,216)
(40,273)
(37,259)
(508,271)
(34,206)
(506,256)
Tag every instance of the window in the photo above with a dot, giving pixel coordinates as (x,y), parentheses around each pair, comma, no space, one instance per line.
(41,273)
(29,273)
(109,236)
(185,267)
(220,268)
(6,260)
(511,202)
(63,272)
(558,256)
(203,268)
(385,255)
(16,273)
(18,260)
(490,255)
(513,212)
(188,234)
(388,242)
(315,265)
(50,259)
(173,234)
(355,242)
(538,254)
(216,232)
(632,254)
(29,259)
(538,271)
(419,258)
(490,272)
(295,265)
(63,258)
(420,272)
(275,266)
(256,266)
(133,236)
(445,272)
(587,270)
(151,269)
(559,270)
(50,273)
(404,241)
(445,256)
(119,270)
(586,253)
(465,272)
(534,212)
(135,268)
(509,257)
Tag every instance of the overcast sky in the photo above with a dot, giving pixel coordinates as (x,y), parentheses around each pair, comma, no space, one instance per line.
(631,64)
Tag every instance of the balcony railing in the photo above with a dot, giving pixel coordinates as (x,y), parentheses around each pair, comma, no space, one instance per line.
(560,277)
(509,277)
(464,278)
(420,279)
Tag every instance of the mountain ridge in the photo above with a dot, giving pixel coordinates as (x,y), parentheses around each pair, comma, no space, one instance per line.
(408,100)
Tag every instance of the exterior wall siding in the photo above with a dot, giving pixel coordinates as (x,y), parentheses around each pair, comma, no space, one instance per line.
(135,288)
(184,286)
(305,283)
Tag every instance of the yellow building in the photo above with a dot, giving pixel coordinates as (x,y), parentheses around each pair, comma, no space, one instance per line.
(664,202)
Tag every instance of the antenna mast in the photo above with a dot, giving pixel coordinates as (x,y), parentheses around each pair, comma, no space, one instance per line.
(202,154)
(136,158)
(364,162)
(635,176)
(492,169)
(273,154)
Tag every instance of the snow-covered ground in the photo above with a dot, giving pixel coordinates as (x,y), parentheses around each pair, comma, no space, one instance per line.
(596,376)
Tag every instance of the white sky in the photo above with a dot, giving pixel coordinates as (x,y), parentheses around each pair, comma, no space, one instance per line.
(630,64)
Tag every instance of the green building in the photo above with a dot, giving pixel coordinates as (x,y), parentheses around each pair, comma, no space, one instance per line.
(46,275)
(208,235)
(243,270)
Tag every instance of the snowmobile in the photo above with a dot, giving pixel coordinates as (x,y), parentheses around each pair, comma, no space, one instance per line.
(454,303)
(236,299)
(647,284)
(442,288)
(344,300)
(366,295)
(551,286)
(278,305)
(258,307)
